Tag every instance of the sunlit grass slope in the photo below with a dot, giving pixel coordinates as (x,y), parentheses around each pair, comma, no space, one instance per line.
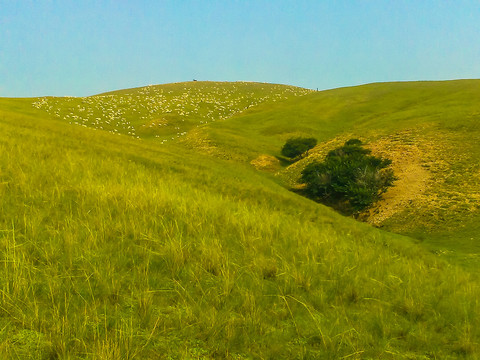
(431,131)
(118,248)
(164,112)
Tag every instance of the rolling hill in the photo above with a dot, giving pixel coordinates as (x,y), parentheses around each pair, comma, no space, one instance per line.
(429,129)
(125,246)
(164,112)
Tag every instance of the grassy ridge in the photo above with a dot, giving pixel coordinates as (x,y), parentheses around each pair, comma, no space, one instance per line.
(164,112)
(367,110)
(429,129)
(114,248)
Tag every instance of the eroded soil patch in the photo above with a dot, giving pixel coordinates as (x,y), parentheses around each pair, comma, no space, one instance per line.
(411,164)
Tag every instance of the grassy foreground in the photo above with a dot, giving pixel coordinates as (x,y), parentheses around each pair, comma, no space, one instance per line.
(118,248)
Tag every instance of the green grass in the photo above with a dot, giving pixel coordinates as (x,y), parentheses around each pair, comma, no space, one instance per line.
(164,112)
(118,248)
(441,118)
(381,108)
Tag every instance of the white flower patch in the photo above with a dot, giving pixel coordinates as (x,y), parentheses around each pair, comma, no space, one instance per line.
(200,104)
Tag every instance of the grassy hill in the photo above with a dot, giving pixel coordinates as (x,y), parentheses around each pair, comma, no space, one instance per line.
(164,112)
(429,129)
(115,247)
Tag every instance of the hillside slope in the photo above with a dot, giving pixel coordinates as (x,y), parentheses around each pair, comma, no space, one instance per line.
(118,248)
(164,112)
(429,129)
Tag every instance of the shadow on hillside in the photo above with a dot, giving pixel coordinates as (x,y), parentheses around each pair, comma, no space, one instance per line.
(284,162)
(341,207)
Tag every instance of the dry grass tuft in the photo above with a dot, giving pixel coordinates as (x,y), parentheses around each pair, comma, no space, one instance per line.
(266,163)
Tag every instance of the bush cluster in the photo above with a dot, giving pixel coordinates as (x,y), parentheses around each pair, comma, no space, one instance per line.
(349,179)
(297,146)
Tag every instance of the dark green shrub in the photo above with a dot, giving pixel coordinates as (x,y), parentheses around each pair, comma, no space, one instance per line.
(298,146)
(349,179)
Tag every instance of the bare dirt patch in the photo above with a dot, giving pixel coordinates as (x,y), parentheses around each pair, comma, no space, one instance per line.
(434,182)
(410,164)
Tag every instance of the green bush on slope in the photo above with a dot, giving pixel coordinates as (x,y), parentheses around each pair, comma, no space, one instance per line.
(297,146)
(349,178)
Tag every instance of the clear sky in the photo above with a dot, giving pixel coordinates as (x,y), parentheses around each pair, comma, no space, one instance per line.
(84,47)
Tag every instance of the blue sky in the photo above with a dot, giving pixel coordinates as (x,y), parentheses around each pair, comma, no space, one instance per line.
(79,48)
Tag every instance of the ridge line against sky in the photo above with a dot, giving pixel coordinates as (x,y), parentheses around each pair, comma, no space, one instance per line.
(81,48)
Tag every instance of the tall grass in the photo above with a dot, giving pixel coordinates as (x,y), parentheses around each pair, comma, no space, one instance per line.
(112,248)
